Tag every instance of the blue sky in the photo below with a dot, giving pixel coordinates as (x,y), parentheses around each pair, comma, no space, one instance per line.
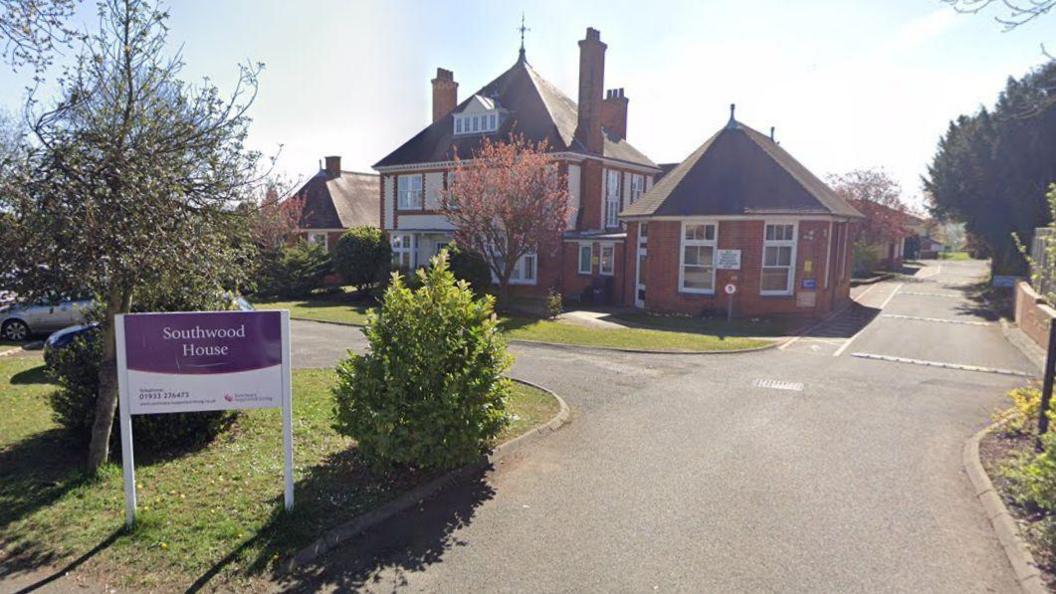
(847,84)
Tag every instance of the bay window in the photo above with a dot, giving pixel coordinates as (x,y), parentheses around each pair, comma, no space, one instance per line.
(779,257)
(409,192)
(403,250)
(525,271)
(696,273)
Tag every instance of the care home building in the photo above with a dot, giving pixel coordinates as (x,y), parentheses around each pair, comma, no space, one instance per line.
(588,142)
(739,211)
(336,201)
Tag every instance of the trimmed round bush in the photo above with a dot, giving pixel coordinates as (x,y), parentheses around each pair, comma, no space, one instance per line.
(363,257)
(294,270)
(470,267)
(75,368)
(430,392)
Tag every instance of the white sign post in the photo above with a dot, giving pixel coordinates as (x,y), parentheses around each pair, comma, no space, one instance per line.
(202,361)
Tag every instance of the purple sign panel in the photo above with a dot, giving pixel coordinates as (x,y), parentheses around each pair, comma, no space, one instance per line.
(183,362)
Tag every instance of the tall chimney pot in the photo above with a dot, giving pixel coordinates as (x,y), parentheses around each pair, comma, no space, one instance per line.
(591,91)
(333,165)
(614,113)
(445,93)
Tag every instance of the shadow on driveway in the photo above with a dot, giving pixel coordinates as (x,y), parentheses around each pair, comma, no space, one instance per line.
(381,557)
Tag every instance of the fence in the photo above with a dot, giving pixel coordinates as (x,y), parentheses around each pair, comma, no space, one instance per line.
(1041,273)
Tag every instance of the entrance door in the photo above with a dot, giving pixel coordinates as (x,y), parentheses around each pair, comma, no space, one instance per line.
(640,269)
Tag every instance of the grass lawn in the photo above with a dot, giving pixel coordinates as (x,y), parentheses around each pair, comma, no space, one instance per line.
(959,256)
(341,307)
(716,325)
(629,338)
(665,333)
(211,514)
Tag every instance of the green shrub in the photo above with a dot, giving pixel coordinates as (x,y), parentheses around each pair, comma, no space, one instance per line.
(1023,417)
(554,305)
(295,270)
(430,392)
(75,369)
(472,268)
(363,257)
(1033,476)
(865,258)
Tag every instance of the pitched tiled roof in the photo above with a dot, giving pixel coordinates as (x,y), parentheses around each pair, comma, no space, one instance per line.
(536,109)
(340,202)
(739,171)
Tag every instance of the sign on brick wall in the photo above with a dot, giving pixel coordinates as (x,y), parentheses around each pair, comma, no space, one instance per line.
(728,260)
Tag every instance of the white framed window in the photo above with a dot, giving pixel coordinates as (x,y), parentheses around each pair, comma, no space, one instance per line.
(403,250)
(607,261)
(458,125)
(637,186)
(586,257)
(524,273)
(779,259)
(319,237)
(439,247)
(409,192)
(612,197)
(696,270)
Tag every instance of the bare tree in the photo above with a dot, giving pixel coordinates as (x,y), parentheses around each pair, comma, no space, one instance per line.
(1013,12)
(31,31)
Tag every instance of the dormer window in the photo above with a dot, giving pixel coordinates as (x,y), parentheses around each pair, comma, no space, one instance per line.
(480,116)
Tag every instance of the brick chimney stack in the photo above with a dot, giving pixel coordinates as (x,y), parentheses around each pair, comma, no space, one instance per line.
(614,113)
(445,93)
(591,87)
(333,166)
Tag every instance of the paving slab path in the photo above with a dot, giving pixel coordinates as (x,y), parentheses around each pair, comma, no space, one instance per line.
(798,470)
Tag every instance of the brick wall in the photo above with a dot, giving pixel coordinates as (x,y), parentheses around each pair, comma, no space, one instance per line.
(812,253)
(1033,315)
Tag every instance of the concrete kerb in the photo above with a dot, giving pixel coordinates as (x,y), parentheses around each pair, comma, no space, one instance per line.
(1034,353)
(332,538)
(577,347)
(1027,574)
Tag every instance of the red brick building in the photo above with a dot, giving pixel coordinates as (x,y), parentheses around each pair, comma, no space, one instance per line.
(739,211)
(335,201)
(587,140)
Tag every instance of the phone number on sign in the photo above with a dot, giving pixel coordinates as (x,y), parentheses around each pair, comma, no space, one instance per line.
(163,395)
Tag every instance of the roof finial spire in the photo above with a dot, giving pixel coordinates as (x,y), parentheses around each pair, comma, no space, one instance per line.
(733,121)
(522,29)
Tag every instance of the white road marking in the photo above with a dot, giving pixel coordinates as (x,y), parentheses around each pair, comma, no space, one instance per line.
(934,272)
(944,295)
(840,350)
(944,365)
(936,320)
(778,385)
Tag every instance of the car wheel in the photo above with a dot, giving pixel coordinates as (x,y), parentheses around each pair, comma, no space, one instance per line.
(15,330)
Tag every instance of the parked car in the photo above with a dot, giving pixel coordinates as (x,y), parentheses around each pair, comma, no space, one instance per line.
(20,322)
(62,338)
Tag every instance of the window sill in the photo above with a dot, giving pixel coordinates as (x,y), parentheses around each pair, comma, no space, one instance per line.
(523,283)
(704,292)
(776,295)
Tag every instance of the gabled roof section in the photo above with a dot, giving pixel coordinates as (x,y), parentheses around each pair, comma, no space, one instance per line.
(535,108)
(341,202)
(740,171)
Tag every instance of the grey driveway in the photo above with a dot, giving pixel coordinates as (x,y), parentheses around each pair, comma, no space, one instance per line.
(696,474)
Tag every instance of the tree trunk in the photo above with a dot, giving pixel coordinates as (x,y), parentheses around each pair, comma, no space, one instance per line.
(106,401)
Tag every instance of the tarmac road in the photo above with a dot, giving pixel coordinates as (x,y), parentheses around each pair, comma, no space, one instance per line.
(804,469)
